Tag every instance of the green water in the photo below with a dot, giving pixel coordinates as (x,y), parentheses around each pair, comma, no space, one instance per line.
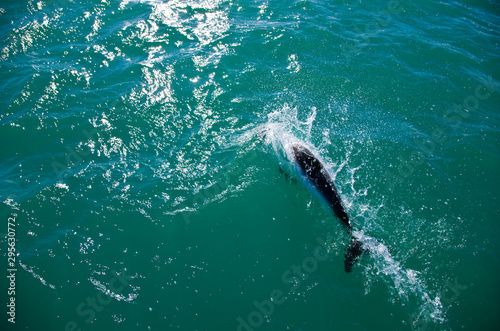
(144,165)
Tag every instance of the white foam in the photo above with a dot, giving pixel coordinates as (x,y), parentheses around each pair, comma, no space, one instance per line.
(406,283)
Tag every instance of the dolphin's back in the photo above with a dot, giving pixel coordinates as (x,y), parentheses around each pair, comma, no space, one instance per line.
(316,173)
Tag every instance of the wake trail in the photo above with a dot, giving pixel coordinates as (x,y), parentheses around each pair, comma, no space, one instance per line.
(406,282)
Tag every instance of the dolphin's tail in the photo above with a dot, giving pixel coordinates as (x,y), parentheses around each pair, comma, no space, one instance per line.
(354,250)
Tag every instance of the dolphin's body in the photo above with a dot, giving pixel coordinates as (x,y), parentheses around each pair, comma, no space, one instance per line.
(314,171)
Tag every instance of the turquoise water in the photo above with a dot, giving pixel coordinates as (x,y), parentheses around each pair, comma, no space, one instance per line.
(145,164)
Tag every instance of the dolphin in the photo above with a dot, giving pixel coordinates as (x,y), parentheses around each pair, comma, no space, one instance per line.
(315,172)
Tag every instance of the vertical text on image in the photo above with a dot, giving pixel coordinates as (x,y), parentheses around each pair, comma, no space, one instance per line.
(11,270)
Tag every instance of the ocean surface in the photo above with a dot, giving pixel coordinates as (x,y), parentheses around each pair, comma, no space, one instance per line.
(147,183)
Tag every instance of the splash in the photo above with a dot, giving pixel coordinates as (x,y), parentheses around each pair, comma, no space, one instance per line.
(284,129)
(406,283)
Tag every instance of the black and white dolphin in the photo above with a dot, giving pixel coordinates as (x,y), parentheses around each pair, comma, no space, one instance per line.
(314,171)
